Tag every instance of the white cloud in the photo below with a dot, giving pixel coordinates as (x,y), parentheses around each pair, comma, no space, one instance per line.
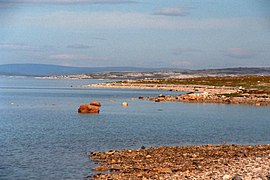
(240,53)
(78,46)
(17,47)
(172,11)
(76,57)
(181,51)
(116,20)
(67,2)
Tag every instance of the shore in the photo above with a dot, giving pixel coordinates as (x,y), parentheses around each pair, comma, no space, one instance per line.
(256,90)
(185,162)
(165,87)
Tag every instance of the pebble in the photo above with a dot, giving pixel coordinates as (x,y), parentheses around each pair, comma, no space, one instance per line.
(211,162)
(237,177)
(226,177)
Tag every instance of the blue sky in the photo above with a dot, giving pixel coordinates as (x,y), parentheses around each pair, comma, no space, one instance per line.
(192,34)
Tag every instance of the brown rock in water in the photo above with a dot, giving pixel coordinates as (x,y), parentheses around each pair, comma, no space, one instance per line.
(86,108)
(95,103)
(100,168)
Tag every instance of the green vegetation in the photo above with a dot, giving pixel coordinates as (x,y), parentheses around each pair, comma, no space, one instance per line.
(231,95)
(261,83)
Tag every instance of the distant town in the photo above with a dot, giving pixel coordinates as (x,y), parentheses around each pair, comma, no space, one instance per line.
(167,74)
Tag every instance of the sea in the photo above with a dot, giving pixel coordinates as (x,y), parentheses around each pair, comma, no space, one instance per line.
(42,135)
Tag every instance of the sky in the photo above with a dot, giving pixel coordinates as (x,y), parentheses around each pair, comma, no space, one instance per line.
(192,34)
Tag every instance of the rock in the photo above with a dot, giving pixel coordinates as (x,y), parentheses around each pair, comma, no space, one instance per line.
(95,103)
(100,168)
(93,107)
(86,108)
(163,170)
(116,168)
(124,104)
(161,95)
(237,177)
(157,100)
(226,177)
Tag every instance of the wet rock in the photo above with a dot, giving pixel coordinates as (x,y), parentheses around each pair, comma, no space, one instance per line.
(87,108)
(95,103)
(161,96)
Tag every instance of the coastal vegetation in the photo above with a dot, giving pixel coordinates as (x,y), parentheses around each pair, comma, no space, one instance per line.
(249,90)
(256,84)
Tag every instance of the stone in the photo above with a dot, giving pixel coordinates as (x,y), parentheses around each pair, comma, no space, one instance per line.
(163,170)
(237,177)
(141,97)
(86,108)
(100,168)
(95,103)
(161,96)
(226,177)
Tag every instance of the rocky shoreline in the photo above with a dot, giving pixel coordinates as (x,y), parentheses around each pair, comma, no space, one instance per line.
(214,98)
(198,93)
(185,162)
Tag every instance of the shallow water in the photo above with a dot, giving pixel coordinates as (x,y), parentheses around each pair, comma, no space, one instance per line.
(43,137)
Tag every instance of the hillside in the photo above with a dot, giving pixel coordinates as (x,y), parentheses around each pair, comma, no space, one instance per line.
(122,72)
(48,69)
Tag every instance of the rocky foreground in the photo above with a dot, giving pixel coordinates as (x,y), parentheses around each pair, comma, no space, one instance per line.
(236,98)
(185,162)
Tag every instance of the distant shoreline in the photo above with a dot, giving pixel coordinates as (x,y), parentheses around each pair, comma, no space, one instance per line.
(255,92)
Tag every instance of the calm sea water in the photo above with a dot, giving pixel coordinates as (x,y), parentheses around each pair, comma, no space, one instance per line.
(43,137)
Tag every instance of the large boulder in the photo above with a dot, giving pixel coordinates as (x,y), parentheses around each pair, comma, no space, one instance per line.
(93,107)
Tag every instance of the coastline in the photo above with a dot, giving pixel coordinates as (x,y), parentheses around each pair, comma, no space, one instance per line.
(196,93)
(185,162)
(165,87)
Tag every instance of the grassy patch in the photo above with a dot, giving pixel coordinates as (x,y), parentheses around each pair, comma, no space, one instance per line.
(248,82)
(231,95)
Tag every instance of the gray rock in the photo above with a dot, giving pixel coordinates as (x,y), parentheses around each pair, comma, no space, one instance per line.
(237,177)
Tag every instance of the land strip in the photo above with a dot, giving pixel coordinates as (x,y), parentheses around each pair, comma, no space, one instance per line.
(250,90)
(185,162)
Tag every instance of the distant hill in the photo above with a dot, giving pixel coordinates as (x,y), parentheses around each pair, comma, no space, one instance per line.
(122,72)
(47,69)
